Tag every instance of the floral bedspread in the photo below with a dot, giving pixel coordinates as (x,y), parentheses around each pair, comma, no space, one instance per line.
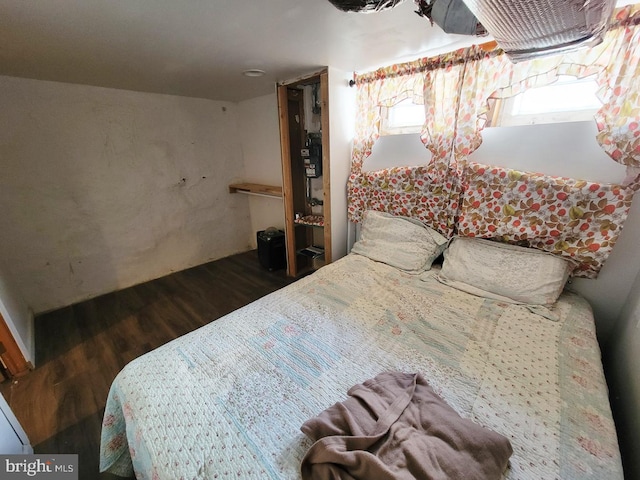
(228,400)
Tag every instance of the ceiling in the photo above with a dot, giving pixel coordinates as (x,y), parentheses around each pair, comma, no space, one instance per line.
(198,48)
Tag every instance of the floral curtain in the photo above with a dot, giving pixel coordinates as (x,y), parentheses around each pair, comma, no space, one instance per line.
(454,98)
(383,88)
(475,78)
(616,66)
(619,119)
(410,191)
(457,90)
(426,192)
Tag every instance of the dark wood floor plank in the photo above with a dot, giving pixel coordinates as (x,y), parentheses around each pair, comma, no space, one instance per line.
(81,348)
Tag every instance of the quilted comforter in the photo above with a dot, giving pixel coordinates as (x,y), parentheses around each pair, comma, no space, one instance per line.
(228,400)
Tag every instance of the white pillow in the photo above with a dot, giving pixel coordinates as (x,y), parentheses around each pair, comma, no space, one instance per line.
(401,242)
(504,272)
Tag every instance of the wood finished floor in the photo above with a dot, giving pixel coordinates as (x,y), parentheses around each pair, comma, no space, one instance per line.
(81,348)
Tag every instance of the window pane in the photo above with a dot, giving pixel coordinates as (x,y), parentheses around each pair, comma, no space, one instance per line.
(406,115)
(558,97)
(567,100)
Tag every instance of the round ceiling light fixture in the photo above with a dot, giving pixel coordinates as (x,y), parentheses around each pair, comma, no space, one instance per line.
(254,72)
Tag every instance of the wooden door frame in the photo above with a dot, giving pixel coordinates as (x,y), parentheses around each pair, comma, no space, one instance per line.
(326,164)
(12,358)
(322,77)
(287,190)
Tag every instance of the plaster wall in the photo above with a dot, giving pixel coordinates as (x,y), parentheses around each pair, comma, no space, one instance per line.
(260,140)
(102,188)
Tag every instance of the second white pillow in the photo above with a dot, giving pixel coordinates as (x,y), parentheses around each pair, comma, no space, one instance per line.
(504,272)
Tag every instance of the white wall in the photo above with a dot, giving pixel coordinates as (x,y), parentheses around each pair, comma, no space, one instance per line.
(567,149)
(260,138)
(397,151)
(341,131)
(102,188)
(624,375)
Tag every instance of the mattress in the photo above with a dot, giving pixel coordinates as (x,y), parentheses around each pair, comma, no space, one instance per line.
(228,400)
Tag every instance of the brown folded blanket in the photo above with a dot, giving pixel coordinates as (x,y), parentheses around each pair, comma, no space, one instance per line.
(395,426)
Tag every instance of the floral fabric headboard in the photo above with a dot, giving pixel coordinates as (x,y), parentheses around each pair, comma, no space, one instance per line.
(426,193)
(575,219)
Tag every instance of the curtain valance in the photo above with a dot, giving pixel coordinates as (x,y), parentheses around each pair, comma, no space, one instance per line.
(456,89)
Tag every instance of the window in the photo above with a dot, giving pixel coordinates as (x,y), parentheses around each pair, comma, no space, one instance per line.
(404,117)
(567,100)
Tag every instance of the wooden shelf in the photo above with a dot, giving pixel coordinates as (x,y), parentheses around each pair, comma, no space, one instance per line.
(256,189)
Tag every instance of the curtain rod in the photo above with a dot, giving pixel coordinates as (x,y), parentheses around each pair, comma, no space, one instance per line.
(456,57)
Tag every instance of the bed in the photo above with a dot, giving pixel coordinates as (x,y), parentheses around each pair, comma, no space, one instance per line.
(228,400)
